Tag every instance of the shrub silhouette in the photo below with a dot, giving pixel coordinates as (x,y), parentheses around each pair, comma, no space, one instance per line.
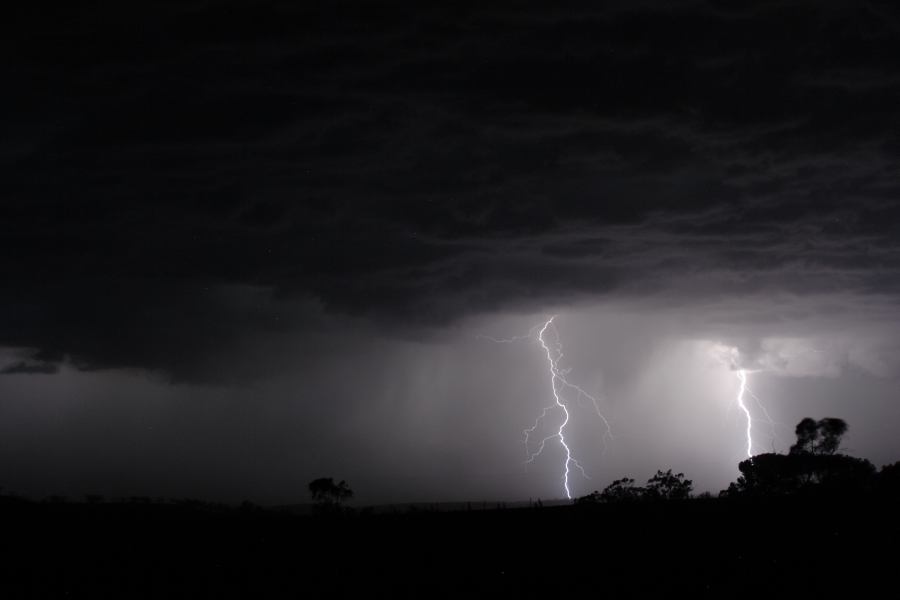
(819,437)
(620,490)
(327,494)
(668,486)
(765,475)
(662,486)
(812,466)
(888,480)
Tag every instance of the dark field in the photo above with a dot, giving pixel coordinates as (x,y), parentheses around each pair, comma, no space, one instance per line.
(700,548)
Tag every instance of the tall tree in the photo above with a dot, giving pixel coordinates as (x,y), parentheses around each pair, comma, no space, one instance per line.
(819,437)
(326,493)
(669,486)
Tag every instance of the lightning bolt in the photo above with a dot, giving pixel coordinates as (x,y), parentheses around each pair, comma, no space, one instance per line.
(773,425)
(729,357)
(559,384)
(742,376)
(744,392)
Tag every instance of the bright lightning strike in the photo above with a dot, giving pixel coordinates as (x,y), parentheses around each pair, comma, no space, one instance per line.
(766,417)
(559,385)
(742,376)
(730,357)
(554,376)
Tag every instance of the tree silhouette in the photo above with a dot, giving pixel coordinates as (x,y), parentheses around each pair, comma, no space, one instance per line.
(766,475)
(668,486)
(812,466)
(819,437)
(328,494)
(621,490)
(662,486)
(889,480)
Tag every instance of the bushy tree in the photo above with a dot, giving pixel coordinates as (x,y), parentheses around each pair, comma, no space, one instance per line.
(819,437)
(328,494)
(889,480)
(781,475)
(621,490)
(669,486)
(662,486)
(766,475)
(812,466)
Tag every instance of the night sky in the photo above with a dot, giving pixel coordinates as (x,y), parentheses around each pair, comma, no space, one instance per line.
(244,245)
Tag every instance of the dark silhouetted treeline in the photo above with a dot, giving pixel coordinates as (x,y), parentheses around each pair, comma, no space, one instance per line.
(812,468)
(809,524)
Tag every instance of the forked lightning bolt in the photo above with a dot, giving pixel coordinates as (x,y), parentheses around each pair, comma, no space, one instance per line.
(730,357)
(559,384)
(742,376)
(744,392)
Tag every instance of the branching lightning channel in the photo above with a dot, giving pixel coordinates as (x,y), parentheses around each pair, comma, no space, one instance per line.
(730,357)
(766,417)
(745,392)
(559,385)
(742,376)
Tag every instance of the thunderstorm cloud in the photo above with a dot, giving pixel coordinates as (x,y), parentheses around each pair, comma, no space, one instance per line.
(289,214)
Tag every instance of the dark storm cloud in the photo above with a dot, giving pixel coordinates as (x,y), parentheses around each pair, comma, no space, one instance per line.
(179,177)
(23,367)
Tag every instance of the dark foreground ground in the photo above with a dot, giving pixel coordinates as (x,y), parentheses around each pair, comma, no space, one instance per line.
(702,548)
